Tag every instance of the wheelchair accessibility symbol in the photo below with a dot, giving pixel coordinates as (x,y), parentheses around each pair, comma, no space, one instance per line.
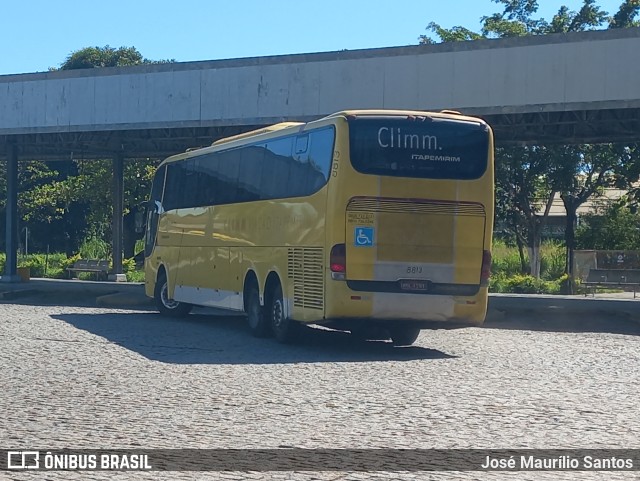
(363,236)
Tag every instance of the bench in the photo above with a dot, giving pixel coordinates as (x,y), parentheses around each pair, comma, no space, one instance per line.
(624,278)
(100,268)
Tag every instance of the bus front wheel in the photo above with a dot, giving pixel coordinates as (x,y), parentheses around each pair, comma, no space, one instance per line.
(168,307)
(258,322)
(404,336)
(284,329)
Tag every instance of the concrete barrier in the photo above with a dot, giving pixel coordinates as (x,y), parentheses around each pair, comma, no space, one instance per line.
(503,305)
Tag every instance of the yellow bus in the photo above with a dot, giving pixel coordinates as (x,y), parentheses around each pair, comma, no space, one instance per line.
(376,222)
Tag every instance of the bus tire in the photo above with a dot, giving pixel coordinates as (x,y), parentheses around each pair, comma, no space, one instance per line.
(168,307)
(404,336)
(256,318)
(284,329)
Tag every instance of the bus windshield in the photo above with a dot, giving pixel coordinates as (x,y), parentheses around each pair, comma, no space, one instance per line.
(429,148)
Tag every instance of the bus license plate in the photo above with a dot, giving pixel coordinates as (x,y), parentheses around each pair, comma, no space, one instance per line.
(414,285)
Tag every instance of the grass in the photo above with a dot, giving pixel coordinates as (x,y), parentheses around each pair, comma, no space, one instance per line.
(507,275)
(54,266)
(506,260)
(135,276)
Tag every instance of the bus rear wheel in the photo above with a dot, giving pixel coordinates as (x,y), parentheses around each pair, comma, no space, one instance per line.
(168,307)
(404,336)
(258,322)
(284,329)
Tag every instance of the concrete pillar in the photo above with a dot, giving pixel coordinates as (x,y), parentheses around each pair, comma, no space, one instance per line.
(11,265)
(118,208)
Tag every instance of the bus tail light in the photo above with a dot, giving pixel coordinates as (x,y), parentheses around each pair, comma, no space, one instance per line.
(338,262)
(485,271)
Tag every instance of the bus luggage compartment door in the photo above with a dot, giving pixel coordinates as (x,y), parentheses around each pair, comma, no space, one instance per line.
(414,245)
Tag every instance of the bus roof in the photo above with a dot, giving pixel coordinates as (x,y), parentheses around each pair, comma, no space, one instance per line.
(252,133)
(443,114)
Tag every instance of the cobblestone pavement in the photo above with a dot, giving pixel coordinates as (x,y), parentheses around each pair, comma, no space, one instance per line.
(89,378)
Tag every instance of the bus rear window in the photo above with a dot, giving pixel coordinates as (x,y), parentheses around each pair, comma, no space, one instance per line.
(422,148)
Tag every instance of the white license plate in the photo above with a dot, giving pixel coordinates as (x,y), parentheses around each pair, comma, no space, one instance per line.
(414,285)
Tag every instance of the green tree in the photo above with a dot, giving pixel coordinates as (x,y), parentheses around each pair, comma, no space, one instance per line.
(583,171)
(41,208)
(626,16)
(525,193)
(455,34)
(91,187)
(517,19)
(510,221)
(98,57)
(89,193)
(611,226)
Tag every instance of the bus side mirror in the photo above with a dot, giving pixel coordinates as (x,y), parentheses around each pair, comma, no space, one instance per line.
(156,206)
(150,205)
(139,221)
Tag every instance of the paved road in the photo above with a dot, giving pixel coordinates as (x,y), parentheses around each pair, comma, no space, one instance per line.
(86,377)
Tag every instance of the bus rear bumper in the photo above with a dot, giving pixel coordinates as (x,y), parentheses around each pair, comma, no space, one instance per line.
(418,310)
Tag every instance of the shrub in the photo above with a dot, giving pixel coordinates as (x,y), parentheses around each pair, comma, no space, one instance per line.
(68,262)
(128,265)
(526,284)
(507,265)
(498,283)
(553,260)
(135,276)
(506,260)
(94,248)
(45,265)
(55,266)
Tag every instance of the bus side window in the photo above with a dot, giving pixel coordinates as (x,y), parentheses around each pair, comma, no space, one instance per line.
(321,151)
(176,176)
(277,180)
(205,169)
(251,166)
(302,146)
(227,171)
(157,188)
(191,196)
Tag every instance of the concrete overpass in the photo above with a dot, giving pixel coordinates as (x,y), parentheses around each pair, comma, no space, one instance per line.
(579,87)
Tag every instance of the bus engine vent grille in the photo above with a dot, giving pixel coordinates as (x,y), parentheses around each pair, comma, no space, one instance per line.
(305,265)
(415,206)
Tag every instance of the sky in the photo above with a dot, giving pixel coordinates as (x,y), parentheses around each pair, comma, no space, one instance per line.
(38,34)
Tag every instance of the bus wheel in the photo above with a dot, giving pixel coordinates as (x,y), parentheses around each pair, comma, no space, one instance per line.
(168,307)
(258,322)
(404,336)
(284,329)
